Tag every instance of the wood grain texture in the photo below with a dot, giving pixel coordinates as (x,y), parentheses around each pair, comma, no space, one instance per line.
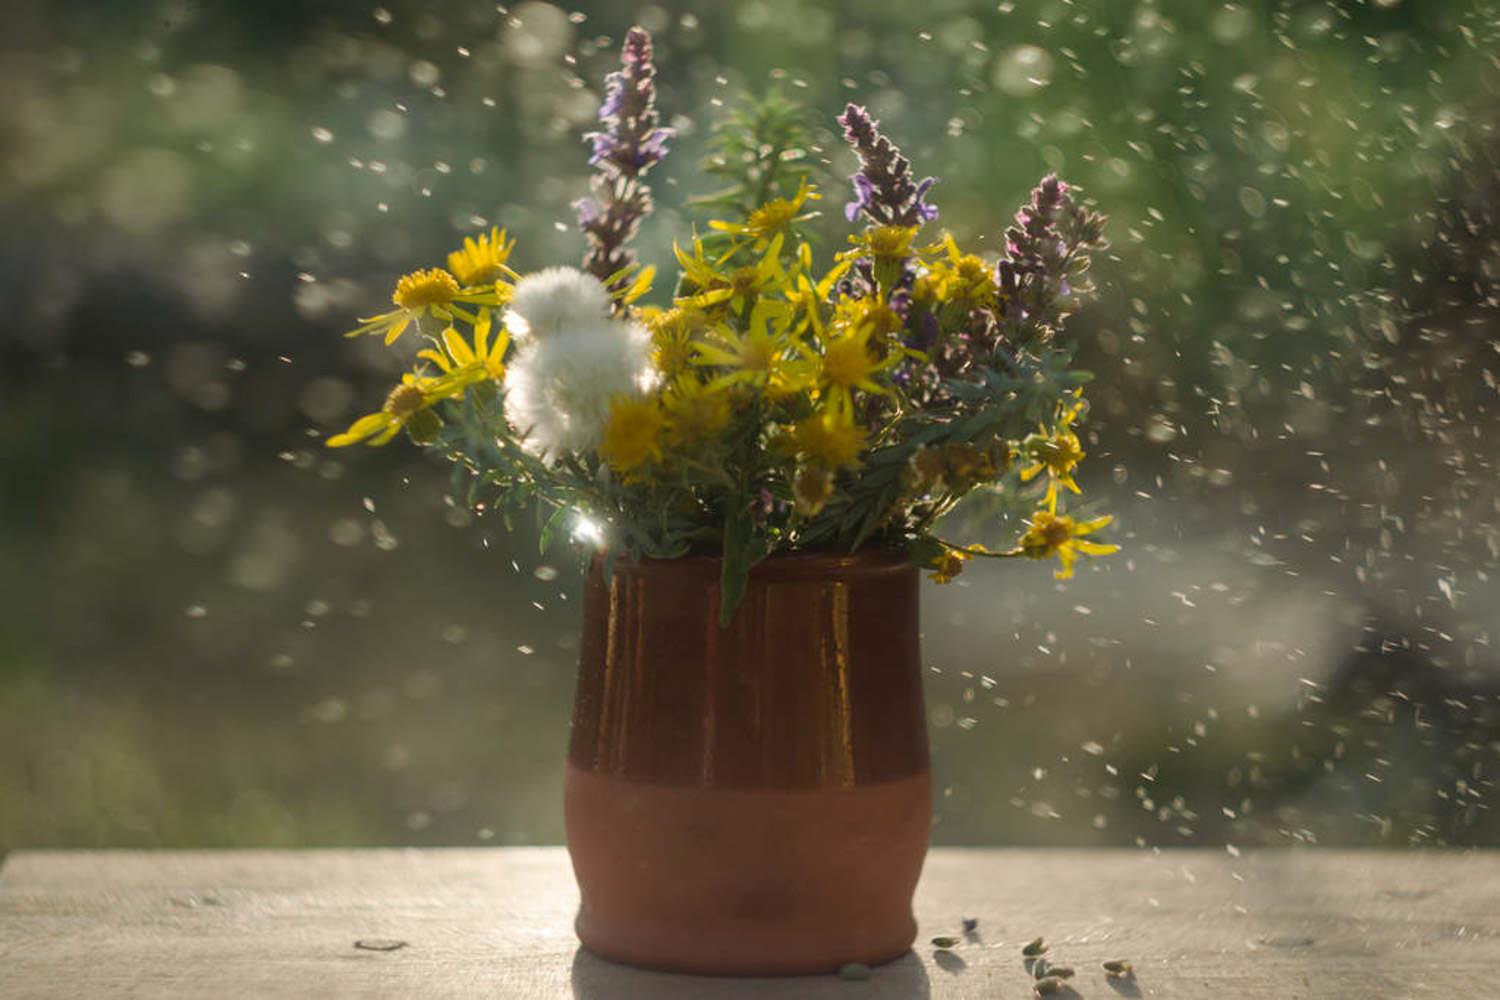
(497,924)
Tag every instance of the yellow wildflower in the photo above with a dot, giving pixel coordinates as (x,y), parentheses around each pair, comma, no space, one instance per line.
(407,406)
(736,287)
(809,300)
(427,293)
(775,218)
(870,311)
(829,441)
(764,355)
(883,242)
(811,490)
(632,433)
(888,248)
(1049,534)
(947,564)
(848,364)
(482,361)
(695,412)
(1055,452)
(954,287)
(673,334)
(482,261)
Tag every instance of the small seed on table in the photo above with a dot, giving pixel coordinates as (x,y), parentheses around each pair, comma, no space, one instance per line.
(1048,986)
(379,944)
(854,970)
(1118,968)
(1060,971)
(943,941)
(1035,948)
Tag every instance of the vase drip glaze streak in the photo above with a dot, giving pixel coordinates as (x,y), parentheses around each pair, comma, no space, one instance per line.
(753,799)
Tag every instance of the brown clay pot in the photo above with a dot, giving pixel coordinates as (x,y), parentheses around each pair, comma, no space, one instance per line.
(756,799)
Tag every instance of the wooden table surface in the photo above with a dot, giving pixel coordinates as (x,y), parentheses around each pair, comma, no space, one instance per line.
(496,923)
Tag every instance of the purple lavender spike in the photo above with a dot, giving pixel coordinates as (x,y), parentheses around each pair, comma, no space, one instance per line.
(629,144)
(883,188)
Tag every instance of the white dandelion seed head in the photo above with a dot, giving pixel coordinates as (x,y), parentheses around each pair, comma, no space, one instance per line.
(554,300)
(559,387)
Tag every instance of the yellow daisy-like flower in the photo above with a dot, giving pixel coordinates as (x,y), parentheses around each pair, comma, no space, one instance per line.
(482,361)
(1049,534)
(948,564)
(673,335)
(886,324)
(847,364)
(407,406)
(632,434)
(765,355)
(427,293)
(736,287)
(883,242)
(482,261)
(775,218)
(828,440)
(1056,452)
(809,300)
(888,247)
(811,490)
(695,412)
(954,287)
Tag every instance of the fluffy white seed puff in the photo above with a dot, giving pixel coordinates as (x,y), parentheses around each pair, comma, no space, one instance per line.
(574,360)
(552,300)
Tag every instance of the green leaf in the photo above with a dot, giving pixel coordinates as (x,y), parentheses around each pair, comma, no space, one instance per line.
(743,548)
(550,528)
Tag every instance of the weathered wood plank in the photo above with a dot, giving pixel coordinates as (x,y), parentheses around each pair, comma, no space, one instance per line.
(497,923)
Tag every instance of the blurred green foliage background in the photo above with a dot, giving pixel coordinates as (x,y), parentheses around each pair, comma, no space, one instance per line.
(214,632)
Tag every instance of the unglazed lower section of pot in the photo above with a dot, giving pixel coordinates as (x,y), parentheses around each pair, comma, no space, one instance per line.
(746,881)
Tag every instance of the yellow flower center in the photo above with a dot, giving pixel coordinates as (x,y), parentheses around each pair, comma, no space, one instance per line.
(829,443)
(696,413)
(1060,453)
(811,490)
(1047,534)
(890,241)
(431,287)
(744,280)
(771,218)
(631,436)
(404,400)
(971,270)
(757,354)
(1057,533)
(846,362)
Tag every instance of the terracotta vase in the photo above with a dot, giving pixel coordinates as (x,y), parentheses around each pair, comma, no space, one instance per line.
(755,799)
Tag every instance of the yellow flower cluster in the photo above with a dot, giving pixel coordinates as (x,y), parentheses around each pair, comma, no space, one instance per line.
(476,282)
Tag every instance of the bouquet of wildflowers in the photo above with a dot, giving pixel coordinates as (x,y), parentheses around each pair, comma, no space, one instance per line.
(781,402)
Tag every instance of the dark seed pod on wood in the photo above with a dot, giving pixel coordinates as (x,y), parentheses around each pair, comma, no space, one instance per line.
(1118,968)
(943,941)
(1035,948)
(1049,986)
(1060,971)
